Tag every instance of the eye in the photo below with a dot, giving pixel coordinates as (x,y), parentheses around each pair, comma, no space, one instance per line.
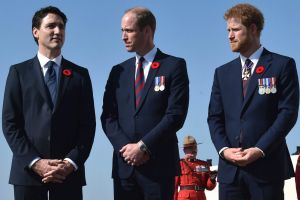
(51,26)
(127,30)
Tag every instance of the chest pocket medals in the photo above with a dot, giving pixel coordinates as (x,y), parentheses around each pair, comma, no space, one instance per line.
(267,86)
(159,83)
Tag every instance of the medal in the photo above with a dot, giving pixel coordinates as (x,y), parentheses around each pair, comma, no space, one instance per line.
(273,82)
(268,90)
(162,83)
(156,84)
(261,89)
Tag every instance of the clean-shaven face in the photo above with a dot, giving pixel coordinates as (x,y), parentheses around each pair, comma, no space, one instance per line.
(133,37)
(51,34)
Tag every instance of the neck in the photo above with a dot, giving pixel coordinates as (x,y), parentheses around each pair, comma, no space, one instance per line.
(251,49)
(50,53)
(145,50)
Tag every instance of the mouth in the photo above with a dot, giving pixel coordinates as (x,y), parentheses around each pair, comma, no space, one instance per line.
(127,44)
(56,39)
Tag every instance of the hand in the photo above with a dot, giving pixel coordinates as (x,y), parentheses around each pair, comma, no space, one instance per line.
(233,154)
(60,173)
(133,155)
(213,175)
(43,166)
(189,156)
(249,156)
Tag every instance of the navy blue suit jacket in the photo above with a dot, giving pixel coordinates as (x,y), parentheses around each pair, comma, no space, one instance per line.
(264,120)
(155,121)
(33,129)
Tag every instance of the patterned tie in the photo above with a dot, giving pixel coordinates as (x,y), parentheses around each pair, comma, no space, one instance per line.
(139,81)
(246,74)
(50,80)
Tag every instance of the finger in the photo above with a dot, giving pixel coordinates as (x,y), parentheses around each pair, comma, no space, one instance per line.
(123,149)
(52,179)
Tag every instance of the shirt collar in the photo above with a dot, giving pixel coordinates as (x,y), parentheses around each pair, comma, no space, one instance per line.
(254,57)
(44,60)
(149,57)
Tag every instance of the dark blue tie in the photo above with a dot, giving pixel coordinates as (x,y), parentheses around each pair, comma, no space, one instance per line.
(50,80)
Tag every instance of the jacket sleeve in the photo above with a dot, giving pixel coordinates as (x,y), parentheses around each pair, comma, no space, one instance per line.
(13,121)
(216,117)
(177,184)
(109,116)
(86,123)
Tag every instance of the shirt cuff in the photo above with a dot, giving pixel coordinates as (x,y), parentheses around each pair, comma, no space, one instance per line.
(34,161)
(145,146)
(72,163)
(261,151)
(221,151)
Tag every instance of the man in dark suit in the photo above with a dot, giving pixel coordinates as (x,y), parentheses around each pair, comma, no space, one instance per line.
(145,104)
(48,117)
(253,106)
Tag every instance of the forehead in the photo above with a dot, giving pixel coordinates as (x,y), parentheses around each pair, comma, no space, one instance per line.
(234,22)
(129,20)
(52,18)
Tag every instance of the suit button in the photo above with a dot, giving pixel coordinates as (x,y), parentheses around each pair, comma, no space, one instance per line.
(237,137)
(48,138)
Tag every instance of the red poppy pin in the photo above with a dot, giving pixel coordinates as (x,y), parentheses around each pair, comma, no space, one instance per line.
(260,69)
(67,72)
(155,65)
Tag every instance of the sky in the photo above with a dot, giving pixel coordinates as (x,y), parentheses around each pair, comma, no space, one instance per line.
(194,30)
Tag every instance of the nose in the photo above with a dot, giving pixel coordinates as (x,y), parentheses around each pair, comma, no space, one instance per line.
(230,35)
(58,29)
(124,35)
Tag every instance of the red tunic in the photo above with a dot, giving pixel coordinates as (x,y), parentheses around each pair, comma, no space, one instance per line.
(201,169)
(297,178)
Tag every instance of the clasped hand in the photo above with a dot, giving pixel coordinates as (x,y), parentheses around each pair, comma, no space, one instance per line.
(132,154)
(242,157)
(53,170)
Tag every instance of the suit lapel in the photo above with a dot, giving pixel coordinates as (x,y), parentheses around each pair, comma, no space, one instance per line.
(40,82)
(63,81)
(150,79)
(265,61)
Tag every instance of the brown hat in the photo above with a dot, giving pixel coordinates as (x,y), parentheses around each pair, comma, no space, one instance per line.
(189,141)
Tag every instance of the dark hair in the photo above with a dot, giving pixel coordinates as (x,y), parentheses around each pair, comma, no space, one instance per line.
(144,17)
(40,14)
(248,15)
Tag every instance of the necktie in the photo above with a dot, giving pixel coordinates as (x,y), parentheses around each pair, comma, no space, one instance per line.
(139,81)
(246,74)
(50,80)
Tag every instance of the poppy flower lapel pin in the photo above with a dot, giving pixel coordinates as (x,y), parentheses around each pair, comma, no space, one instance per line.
(155,65)
(260,69)
(67,72)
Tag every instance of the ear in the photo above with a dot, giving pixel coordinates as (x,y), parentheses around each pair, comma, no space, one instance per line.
(253,29)
(35,33)
(147,29)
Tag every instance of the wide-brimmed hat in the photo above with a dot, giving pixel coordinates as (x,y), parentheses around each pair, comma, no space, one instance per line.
(189,141)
